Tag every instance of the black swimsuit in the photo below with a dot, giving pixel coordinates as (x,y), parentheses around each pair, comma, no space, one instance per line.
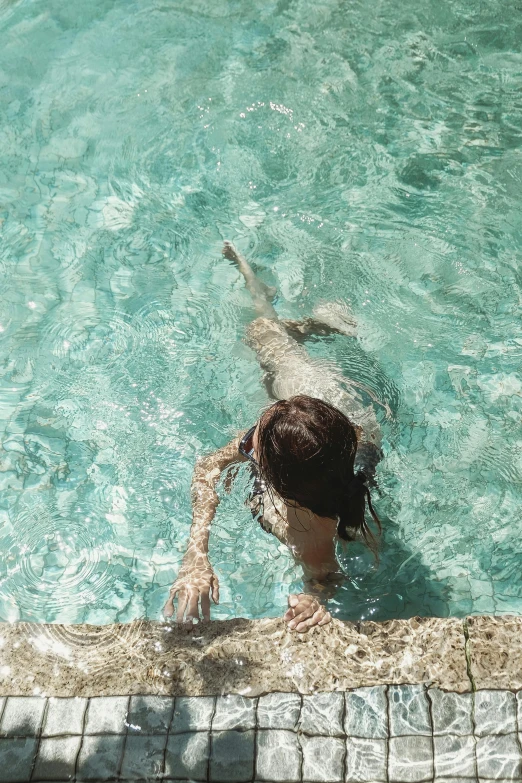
(256,499)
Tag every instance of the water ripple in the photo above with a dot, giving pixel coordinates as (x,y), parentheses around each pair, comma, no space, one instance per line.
(57,562)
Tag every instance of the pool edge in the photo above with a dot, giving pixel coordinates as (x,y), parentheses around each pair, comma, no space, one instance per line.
(252,657)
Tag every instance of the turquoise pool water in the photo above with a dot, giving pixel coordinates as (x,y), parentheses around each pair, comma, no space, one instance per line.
(365,152)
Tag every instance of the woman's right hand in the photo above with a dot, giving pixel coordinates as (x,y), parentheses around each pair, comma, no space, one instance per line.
(195,584)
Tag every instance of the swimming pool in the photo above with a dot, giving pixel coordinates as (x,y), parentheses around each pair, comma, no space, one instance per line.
(371,155)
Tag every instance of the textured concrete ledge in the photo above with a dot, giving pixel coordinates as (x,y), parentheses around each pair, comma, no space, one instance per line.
(235,656)
(495,651)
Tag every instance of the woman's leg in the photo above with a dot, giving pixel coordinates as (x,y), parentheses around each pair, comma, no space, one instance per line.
(261,294)
(328,317)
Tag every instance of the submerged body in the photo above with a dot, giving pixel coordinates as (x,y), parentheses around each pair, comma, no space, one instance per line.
(311,536)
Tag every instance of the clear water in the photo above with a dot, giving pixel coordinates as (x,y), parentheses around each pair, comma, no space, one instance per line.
(364,152)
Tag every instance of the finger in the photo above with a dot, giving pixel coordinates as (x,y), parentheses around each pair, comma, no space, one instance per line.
(193,606)
(168,609)
(205,606)
(293,600)
(326,619)
(305,604)
(289,615)
(182,603)
(299,618)
(313,620)
(215,589)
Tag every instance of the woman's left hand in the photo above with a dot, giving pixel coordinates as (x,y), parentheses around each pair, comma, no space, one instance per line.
(305,611)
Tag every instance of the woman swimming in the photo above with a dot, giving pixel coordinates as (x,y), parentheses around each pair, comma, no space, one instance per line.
(303,451)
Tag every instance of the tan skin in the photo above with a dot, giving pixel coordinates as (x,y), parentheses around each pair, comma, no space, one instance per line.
(310,538)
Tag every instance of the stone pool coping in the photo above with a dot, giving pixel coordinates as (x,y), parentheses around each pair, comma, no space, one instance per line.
(255,657)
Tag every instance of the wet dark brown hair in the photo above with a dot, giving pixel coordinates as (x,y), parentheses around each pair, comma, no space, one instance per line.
(306,452)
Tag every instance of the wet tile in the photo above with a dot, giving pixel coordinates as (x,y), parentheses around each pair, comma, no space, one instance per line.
(495,712)
(323,759)
(409,710)
(451,712)
(472,779)
(143,756)
(322,714)
(278,756)
(366,713)
(150,714)
(454,753)
(499,757)
(64,716)
(234,712)
(410,759)
(22,716)
(100,758)
(17,756)
(278,711)
(107,715)
(57,758)
(366,760)
(232,756)
(187,755)
(192,713)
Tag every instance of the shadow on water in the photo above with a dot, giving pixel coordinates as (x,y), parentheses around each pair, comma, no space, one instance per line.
(398,586)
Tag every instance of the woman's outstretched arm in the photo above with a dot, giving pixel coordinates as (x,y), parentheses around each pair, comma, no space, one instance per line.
(196,581)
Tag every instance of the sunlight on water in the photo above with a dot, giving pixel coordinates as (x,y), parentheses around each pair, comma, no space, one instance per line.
(365,153)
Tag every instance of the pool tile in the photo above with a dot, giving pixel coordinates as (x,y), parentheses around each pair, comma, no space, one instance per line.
(187,755)
(461,780)
(495,712)
(409,710)
(57,758)
(454,754)
(278,756)
(278,711)
(234,712)
(366,760)
(322,714)
(518,697)
(410,759)
(451,712)
(366,713)
(192,713)
(100,757)
(17,756)
(107,715)
(232,756)
(323,759)
(143,756)
(499,757)
(64,716)
(22,716)
(150,714)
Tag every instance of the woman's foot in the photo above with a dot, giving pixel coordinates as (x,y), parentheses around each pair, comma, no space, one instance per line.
(230,252)
(337,316)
